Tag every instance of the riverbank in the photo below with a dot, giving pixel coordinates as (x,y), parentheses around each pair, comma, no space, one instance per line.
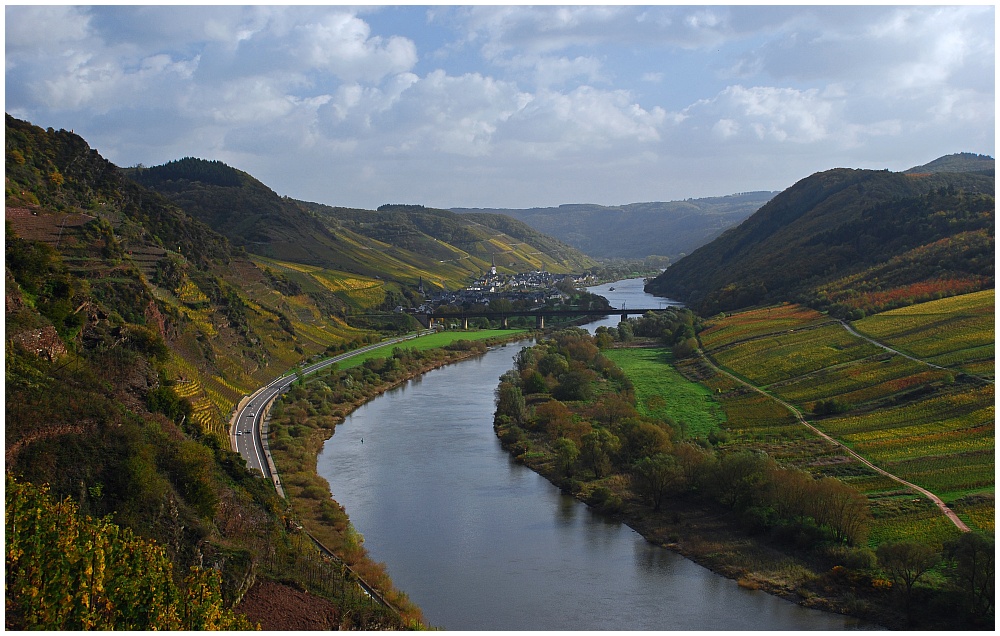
(307,417)
(711,536)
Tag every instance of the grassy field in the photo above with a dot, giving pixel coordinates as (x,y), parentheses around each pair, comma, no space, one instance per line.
(931,426)
(685,402)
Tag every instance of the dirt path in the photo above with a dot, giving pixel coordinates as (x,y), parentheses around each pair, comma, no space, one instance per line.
(851,331)
(798,414)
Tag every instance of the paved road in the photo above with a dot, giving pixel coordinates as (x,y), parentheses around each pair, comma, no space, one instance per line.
(245,434)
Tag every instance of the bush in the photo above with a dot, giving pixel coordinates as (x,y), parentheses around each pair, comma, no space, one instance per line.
(853,558)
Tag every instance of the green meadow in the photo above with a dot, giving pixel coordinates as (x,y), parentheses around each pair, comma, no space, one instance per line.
(663,392)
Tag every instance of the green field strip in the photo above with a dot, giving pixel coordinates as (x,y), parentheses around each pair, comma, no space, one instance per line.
(653,375)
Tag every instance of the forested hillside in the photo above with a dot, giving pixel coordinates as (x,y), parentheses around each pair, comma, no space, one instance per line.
(402,244)
(131,331)
(851,241)
(638,230)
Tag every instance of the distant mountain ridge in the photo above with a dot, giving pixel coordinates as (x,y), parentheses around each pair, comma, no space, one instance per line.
(851,241)
(638,230)
(399,242)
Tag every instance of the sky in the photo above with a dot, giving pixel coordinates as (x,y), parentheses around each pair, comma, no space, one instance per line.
(511,106)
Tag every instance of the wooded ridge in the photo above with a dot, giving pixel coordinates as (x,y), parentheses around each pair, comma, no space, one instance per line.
(851,242)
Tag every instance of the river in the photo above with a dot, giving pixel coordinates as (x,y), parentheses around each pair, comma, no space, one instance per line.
(482,543)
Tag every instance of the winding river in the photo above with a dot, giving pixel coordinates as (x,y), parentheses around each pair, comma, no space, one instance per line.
(482,543)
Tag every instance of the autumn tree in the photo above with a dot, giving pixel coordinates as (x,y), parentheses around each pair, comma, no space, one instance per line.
(554,418)
(611,408)
(841,508)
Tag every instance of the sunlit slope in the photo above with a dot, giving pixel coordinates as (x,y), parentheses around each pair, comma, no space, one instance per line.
(125,257)
(444,246)
(132,329)
(926,419)
(405,244)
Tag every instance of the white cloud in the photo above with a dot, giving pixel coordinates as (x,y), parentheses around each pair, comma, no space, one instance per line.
(342,44)
(548,71)
(64,26)
(454,115)
(768,113)
(542,103)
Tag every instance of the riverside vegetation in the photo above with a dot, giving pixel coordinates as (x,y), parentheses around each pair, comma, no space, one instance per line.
(307,416)
(727,476)
(132,330)
(135,321)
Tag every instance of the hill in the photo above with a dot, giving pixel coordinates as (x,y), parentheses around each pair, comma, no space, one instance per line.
(132,329)
(850,241)
(960,162)
(401,244)
(638,230)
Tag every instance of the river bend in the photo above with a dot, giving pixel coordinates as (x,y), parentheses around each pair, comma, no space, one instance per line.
(482,543)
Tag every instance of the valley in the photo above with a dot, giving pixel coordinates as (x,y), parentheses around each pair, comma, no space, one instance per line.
(835,344)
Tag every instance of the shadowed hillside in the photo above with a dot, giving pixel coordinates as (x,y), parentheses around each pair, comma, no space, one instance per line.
(849,241)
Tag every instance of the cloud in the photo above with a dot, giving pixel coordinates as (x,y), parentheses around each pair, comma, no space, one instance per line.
(549,71)
(65,26)
(540,103)
(342,44)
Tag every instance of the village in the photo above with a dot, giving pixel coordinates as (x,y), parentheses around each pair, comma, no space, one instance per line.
(527,289)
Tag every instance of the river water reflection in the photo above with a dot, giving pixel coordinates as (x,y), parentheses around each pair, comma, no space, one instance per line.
(482,543)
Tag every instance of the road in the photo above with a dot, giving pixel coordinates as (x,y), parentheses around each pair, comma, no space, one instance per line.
(245,435)
(851,330)
(948,512)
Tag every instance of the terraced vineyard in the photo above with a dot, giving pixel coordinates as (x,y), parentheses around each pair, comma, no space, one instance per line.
(956,332)
(361,292)
(929,421)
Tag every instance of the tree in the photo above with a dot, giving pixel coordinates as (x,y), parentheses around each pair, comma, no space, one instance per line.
(611,408)
(640,439)
(658,476)
(510,402)
(906,562)
(553,364)
(740,478)
(598,447)
(574,385)
(567,453)
(554,418)
(842,509)
(973,570)
(625,331)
